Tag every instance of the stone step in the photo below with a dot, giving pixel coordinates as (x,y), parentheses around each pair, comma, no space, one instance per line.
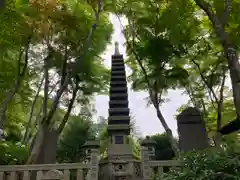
(118,111)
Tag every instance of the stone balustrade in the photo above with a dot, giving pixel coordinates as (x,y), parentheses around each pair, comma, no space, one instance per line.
(157,167)
(44,171)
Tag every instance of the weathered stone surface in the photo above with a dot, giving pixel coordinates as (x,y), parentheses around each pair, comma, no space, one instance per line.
(192,130)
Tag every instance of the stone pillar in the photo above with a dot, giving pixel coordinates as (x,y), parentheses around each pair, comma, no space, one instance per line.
(146,170)
(94,164)
(92,153)
(192,130)
(149,144)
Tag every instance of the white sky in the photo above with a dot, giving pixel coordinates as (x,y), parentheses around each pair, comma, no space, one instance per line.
(146,119)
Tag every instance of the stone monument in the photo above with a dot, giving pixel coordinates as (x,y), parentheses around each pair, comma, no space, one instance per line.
(192,130)
(119,119)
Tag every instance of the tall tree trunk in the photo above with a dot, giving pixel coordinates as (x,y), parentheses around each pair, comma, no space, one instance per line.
(44,146)
(46,142)
(168,131)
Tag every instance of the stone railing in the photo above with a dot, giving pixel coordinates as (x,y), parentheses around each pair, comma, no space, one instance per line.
(151,168)
(44,172)
(159,167)
(77,171)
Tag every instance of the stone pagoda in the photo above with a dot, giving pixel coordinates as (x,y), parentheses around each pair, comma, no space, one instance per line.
(119,119)
(119,163)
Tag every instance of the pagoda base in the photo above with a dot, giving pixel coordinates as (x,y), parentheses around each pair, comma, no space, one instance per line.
(120,152)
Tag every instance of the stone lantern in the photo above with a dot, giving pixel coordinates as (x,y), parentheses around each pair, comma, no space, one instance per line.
(90,145)
(149,144)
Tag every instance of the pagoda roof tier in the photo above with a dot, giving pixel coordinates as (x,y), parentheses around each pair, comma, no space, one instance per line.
(117,56)
(118,111)
(118,63)
(116,118)
(119,128)
(118,72)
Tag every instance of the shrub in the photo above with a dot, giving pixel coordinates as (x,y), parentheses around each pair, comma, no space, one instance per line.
(12,153)
(207,165)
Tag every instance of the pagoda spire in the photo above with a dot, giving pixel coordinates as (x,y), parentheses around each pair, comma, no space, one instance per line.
(116,52)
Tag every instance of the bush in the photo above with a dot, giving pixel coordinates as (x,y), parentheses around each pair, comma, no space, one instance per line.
(12,153)
(208,165)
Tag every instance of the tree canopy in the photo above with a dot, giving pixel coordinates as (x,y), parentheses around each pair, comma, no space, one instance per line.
(51,68)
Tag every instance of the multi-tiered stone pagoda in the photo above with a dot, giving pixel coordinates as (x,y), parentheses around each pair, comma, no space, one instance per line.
(119,119)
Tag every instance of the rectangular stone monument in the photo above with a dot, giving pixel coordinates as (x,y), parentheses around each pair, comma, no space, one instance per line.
(192,130)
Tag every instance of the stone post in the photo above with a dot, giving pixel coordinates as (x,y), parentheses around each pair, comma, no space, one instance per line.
(94,164)
(192,130)
(146,171)
(92,152)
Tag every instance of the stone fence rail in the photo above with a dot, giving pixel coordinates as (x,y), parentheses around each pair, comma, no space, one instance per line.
(45,171)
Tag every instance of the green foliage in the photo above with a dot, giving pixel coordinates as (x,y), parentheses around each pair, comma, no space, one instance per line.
(70,148)
(12,153)
(209,164)
(163,149)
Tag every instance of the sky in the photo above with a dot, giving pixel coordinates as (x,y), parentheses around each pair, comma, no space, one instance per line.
(146,120)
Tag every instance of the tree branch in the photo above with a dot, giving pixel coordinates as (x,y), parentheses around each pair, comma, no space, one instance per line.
(220,103)
(204,80)
(46,88)
(31,112)
(228,8)
(70,106)
(20,75)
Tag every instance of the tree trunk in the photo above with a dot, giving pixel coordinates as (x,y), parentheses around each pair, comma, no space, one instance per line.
(47,142)
(168,131)
(231,55)
(48,151)
(44,147)
(36,145)
(229,50)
